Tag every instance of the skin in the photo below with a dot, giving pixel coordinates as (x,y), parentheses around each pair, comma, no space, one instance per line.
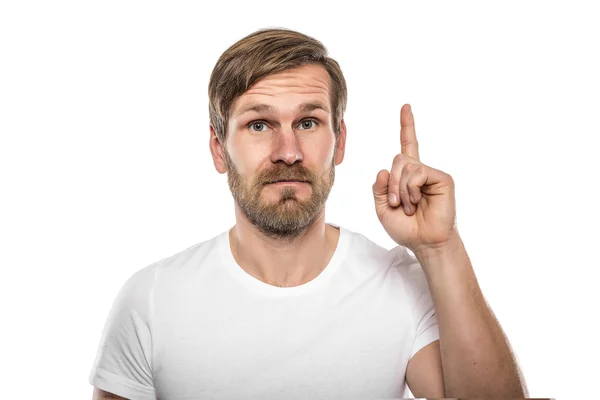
(103,395)
(280,236)
(416,205)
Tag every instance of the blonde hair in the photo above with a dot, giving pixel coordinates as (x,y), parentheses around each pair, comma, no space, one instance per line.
(262,53)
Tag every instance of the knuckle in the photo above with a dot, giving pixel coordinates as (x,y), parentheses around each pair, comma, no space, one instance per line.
(409,142)
(412,167)
(403,192)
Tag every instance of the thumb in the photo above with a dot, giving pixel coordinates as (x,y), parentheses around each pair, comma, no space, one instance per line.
(380,187)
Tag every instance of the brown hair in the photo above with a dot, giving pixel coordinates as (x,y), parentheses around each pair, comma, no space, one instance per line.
(262,53)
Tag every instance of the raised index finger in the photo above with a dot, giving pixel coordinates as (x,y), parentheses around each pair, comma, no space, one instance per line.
(408,136)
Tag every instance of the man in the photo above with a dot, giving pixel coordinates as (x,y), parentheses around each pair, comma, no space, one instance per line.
(284,305)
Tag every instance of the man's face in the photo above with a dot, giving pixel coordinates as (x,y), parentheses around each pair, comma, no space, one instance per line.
(281,129)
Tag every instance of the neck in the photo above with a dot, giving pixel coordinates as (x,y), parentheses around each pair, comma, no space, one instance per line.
(283,262)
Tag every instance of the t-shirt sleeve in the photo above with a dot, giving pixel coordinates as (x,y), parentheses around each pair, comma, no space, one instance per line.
(425,320)
(123,363)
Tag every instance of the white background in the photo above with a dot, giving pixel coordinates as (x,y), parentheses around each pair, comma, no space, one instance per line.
(105,166)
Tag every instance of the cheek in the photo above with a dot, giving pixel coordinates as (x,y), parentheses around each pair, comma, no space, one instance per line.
(247,158)
(321,153)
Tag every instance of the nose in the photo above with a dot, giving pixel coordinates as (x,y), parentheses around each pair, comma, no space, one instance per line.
(286,147)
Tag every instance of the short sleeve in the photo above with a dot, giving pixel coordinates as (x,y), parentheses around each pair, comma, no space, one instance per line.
(425,320)
(123,363)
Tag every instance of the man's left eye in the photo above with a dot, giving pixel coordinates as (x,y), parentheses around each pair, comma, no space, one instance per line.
(308,124)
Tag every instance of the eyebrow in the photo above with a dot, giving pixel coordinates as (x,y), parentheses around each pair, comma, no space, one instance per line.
(305,107)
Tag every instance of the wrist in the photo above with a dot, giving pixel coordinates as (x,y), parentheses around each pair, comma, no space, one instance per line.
(451,246)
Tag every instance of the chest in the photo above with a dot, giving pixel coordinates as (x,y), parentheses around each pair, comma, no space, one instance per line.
(284,348)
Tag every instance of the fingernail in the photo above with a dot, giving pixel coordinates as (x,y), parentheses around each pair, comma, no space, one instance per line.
(393,198)
(412,198)
(406,209)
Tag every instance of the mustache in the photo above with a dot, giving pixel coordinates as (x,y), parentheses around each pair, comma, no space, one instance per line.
(295,173)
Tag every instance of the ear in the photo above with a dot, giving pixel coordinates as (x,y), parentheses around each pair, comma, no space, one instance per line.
(340,147)
(216,150)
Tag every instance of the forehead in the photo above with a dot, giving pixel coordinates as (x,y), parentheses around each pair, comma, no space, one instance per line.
(288,88)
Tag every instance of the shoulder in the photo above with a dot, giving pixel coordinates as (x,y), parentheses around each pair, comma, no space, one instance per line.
(190,257)
(399,258)
(361,246)
(141,283)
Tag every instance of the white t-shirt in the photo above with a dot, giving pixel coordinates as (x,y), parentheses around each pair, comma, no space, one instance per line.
(197,326)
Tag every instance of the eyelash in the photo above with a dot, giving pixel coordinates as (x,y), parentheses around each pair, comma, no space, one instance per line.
(264,122)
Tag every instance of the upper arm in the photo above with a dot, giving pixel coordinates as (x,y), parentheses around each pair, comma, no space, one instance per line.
(424,374)
(424,370)
(100,394)
(123,363)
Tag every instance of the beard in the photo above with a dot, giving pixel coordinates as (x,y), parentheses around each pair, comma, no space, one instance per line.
(288,216)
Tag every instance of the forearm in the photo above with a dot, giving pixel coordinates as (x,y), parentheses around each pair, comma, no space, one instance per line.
(476,357)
